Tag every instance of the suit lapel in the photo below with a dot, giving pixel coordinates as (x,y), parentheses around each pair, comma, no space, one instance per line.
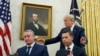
(24,50)
(62,52)
(74,50)
(34,27)
(75,28)
(33,50)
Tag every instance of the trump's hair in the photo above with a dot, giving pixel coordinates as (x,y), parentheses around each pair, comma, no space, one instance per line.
(69,16)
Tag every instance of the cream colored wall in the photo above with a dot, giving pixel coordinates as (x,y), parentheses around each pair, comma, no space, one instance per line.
(60,8)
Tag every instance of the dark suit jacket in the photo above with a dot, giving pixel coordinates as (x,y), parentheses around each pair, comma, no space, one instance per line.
(78,33)
(39,31)
(37,50)
(77,51)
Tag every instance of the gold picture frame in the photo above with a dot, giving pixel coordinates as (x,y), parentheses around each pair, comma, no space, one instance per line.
(44,13)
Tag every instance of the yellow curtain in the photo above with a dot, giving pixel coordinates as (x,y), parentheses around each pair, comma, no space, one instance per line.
(91,22)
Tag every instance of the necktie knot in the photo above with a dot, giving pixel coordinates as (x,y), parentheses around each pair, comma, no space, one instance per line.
(29,47)
(68,50)
(36,22)
(68,47)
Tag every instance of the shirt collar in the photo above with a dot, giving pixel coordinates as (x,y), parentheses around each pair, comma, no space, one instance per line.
(71,47)
(72,27)
(31,44)
(33,22)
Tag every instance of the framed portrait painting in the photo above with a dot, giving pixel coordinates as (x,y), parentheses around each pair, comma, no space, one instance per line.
(37,18)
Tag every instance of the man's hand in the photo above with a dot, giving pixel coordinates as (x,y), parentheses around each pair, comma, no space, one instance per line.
(83,40)
(40,41)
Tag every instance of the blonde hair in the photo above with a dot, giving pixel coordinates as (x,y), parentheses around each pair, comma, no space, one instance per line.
(69,16)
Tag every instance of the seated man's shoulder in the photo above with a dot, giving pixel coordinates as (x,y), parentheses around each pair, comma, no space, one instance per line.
(81,49)
(41,46)
(61,52)
(21,48)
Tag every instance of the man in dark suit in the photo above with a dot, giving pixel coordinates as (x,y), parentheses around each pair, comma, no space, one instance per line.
(31,48)
(70,48)
(79,35)
(35,26)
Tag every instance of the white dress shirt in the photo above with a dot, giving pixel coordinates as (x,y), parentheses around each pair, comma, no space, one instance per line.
(71,47)
(72,27)
(32,45)
(36,25)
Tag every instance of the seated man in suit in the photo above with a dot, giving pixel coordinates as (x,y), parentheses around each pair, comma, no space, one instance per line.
(70,48)
(31,48)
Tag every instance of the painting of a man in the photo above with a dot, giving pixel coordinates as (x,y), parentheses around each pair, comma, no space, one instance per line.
(35,26)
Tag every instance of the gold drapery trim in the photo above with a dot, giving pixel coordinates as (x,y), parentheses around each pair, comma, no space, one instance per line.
(91,22)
